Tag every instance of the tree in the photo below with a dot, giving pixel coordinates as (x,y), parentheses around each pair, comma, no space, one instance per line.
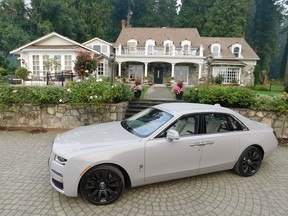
(154,13)
(227,18)
(193,14)
(85,63)
(262,34)
(22,73)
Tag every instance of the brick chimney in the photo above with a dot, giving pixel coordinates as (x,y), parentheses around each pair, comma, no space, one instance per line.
(123,23)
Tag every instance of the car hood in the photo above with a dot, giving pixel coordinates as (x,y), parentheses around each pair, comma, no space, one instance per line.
(101,136)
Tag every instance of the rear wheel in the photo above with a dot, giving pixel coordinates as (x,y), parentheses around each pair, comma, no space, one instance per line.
(249,162)
(102,185)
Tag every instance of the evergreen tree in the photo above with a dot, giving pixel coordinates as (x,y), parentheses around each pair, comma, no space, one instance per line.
(262,35)
(193,14)
(227,18)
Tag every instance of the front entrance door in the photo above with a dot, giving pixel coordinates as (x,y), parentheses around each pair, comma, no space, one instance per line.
(158,75)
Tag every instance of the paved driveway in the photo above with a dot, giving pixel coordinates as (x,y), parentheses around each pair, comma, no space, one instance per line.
(25,188)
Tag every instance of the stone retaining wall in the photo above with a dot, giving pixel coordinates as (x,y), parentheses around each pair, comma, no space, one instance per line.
(278,121)
(60,116)
(68,116)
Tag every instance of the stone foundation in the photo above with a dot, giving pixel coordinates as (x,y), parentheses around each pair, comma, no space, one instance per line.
(60,116)
(71,116)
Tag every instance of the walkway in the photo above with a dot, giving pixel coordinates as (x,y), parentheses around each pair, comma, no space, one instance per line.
(158,92)
(25,188)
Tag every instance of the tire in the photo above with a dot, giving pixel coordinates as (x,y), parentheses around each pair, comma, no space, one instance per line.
(249,162)
(102,185)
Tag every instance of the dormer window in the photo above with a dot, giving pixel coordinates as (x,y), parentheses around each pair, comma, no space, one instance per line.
(132,45)
(149,47)
(215,49)
(186,46)
(168,46)
(236,50)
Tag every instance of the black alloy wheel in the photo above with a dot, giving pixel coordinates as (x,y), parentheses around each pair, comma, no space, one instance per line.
(102,185)
(249,162)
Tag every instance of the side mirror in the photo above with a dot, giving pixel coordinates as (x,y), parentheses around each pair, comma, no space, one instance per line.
(172,135)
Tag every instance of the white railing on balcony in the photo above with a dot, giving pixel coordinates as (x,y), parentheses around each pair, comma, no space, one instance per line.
(159,51)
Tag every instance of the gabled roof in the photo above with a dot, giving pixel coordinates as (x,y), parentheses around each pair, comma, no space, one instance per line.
(38,44)
(96,38)
(226,42)
(177,35)
(159,35)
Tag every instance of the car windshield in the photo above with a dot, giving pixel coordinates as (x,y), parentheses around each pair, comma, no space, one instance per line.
(146,122)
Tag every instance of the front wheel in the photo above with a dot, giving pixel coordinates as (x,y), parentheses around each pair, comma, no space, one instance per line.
(102,185)
(249,162)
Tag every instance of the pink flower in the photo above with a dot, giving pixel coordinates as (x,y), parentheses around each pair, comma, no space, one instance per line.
(177,89)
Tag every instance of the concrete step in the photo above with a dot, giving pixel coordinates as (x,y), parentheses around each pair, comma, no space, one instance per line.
(139,105)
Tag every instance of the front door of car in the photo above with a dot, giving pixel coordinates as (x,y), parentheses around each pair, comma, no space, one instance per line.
(221,143)
(165,160)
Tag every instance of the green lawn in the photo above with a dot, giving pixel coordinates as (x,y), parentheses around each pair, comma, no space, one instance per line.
(275,89)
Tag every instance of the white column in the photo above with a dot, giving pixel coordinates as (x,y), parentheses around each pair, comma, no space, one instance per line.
(119,50)
(172,70)
(200,72)
(146,69)
(201,50)
(119,68)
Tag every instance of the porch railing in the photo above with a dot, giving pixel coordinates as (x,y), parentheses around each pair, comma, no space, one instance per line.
(157,51)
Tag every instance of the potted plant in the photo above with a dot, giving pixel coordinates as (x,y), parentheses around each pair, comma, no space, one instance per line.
(137,89)
(178,89)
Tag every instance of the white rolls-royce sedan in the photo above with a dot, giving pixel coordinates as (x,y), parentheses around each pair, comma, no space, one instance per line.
(163,142)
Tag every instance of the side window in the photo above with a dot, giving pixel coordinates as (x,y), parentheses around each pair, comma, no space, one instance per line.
(219,123)
(186,126)
(216,123)
(236,125)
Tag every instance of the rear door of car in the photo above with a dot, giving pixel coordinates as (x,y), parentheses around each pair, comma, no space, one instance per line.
(165,160)
(220,142)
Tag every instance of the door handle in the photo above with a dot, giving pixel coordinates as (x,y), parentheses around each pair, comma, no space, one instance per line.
(196,144)
(202,143)
(208,143)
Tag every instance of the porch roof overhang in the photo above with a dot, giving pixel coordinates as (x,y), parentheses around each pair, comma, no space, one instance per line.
(228,63)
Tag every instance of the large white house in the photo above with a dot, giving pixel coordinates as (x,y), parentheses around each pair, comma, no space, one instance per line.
(181,53)
(157,54)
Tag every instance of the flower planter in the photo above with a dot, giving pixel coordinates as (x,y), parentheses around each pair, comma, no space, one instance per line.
(137,94)
(179,96)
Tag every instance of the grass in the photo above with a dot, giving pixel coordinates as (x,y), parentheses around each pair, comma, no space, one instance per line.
(273,89)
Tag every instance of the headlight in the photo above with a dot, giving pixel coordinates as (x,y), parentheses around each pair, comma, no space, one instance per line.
(60,160)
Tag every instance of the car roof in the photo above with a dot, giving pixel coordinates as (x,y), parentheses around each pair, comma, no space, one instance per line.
(183,108)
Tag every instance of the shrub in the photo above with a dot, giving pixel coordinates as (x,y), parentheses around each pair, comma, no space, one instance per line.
(228,96)
(85,91)
(286,88)
(22,72)
(276,103)
(85,63)
(260,88)
(218,79)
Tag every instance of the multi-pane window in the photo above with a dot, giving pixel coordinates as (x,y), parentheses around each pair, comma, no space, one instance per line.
(236,52)
(104,49)
(100,69)
(46,64)
(57,63)
(229,74)
(181,73)
(150,49)
(36,65)
(68,62)
(132,46)
(97,48)
(186,49)
(216,50)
